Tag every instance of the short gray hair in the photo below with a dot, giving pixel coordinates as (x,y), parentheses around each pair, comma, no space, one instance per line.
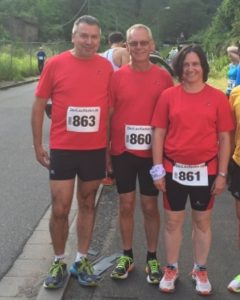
(87,19)
(233,49)
(139,26)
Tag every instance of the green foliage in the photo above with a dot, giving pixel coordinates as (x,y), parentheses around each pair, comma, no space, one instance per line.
(218,66)
(224,29)
(213,23)
(55,17)
(16,68)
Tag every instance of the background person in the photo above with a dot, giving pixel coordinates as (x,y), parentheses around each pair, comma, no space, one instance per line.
(234,172)
(41,57)
(117,54)
(191,149)
(234,56)
(77,142)
(135,89)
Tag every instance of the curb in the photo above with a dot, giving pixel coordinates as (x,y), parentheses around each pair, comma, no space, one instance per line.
(58,294)
(15,84)
(24,279)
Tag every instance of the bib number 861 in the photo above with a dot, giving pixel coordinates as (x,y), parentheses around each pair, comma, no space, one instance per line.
(189,176)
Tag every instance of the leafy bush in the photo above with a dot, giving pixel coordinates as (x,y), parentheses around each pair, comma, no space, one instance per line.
(218,66)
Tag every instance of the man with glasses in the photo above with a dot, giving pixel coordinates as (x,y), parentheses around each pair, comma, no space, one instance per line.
(77,81)
(134,90)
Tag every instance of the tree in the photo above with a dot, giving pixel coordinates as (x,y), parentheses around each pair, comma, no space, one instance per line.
(224,29)
(185,17)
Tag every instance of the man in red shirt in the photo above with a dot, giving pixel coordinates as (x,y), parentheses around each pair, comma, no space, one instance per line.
(135,89)
(77,82)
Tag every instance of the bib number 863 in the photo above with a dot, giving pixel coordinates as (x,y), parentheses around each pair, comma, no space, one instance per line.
(83,121)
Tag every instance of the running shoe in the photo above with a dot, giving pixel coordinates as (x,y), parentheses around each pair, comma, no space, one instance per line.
(154,271)
(124,265)
(200,279)
(56,275)
(83,271)
(234,285)
(170,276)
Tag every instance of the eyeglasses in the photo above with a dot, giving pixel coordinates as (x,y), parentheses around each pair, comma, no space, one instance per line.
(140,43)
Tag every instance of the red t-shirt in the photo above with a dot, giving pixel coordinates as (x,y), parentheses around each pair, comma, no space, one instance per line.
(78,89)
(133,98)
(193,121)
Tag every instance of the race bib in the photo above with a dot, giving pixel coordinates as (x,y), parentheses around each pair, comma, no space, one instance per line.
(231,83)
(192,175)
(40,57)
(83,119)
(138,137)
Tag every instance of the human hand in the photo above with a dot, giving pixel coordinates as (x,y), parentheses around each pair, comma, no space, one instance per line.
(218,185)
(160,184)
(42,157)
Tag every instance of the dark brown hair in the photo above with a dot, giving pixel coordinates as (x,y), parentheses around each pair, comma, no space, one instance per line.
(179,59)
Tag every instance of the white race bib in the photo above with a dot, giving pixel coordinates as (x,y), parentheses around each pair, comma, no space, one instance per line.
(138,137)
(192,175)
(231,83)
(83,119)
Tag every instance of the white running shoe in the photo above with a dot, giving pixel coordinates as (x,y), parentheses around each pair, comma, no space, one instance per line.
(167,283)
(234,285)
(200,279)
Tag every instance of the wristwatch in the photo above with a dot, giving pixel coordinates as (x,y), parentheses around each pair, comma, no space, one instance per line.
(222,174)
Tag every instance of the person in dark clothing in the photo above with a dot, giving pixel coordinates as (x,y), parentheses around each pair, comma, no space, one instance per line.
(41,57)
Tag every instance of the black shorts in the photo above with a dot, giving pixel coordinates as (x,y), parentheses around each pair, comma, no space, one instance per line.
(127,167)
(86,164)
(234,179)
(176,196)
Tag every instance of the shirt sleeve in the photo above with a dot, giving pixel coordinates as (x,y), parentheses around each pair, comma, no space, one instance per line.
(113,90)
(45,84)
(161,111)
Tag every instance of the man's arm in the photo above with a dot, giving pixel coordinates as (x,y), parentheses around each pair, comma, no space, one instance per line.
(108,156)
(37,125)
(157,151)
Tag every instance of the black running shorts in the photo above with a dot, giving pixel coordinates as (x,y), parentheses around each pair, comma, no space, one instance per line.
(175,198)
(234,179)
(86,164)
(127,168)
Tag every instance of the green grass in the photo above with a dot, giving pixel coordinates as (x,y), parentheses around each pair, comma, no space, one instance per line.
(220,82)
(17,67)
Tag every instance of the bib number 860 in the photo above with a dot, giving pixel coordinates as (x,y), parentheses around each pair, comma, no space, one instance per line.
(139,139)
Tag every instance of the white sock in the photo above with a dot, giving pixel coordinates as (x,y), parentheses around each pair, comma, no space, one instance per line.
(197,266)
(175,265)
(79,256)
(59,257)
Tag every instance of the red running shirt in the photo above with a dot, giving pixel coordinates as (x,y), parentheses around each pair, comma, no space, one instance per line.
(134,95)
(83,85)
(193,121)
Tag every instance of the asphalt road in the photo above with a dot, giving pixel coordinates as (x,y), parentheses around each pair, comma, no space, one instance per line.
(24,197)
(223,261)
(24,190)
